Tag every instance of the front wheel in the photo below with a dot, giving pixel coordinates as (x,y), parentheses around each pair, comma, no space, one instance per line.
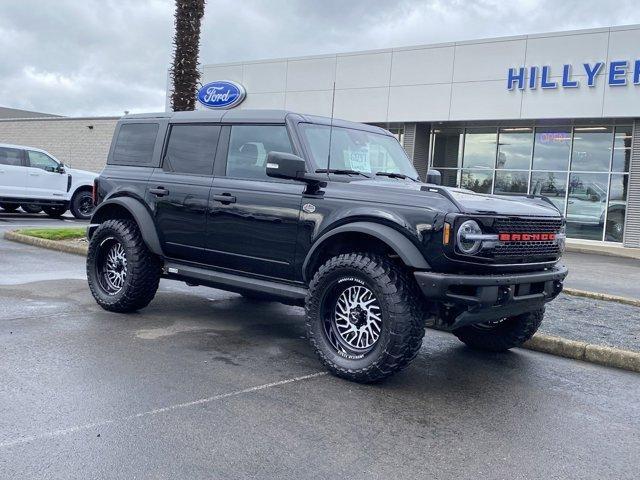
(123,273)
(9,207)
(502,334)
(364,317)
(82,205)
(55,212)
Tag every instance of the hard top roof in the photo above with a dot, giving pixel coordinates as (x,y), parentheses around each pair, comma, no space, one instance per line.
(252,116)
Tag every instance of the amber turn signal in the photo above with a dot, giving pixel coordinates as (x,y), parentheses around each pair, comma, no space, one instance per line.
(446,234)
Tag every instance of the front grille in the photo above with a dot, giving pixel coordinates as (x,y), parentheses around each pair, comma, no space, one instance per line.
(524,251)
(527,225)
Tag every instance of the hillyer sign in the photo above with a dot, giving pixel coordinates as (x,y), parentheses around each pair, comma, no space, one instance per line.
(221,94)
(617,73)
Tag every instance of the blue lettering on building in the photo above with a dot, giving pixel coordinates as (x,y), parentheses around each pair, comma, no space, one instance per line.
(616,74)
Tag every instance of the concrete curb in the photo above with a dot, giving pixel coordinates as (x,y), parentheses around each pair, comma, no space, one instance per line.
(59,245)
(599,354)
(608,251)
(602,296)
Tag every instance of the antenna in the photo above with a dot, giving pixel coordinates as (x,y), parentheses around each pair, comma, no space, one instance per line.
(333,102)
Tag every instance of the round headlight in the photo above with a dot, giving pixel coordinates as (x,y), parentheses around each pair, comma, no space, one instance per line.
(465,244)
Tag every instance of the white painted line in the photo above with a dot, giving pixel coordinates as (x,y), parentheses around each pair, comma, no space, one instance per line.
(201,401)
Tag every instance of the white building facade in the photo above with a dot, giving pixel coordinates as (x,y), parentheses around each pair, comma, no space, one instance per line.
(556,114)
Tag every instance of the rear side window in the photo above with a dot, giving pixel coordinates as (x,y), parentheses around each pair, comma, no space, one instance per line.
(10,156)
(191,149)
(249,146)
(135,143)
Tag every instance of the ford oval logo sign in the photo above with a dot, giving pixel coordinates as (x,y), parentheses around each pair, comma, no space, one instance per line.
(221,94)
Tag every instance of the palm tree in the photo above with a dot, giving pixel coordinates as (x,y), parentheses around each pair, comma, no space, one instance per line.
(184,71)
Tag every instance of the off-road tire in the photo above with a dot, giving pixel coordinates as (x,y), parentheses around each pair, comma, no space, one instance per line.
(31,208)
(9,207)
(143,267)
(401,312)
(55,212)
(508,333)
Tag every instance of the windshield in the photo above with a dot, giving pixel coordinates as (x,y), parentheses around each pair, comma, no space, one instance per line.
(357,150)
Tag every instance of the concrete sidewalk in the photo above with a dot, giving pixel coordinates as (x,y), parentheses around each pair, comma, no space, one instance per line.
(603,274)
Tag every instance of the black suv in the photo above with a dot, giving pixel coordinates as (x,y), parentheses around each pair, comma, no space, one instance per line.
(323,213)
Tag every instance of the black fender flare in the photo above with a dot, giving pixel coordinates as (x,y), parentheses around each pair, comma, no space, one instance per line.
(140,215)
(399,243)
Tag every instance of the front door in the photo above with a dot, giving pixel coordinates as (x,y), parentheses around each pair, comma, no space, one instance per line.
(253,219)
(45,177)
(178,191)
(13,173)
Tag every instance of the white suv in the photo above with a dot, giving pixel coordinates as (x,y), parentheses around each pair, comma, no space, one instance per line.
(35,180)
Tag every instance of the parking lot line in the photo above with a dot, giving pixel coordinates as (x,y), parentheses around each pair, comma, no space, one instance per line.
(169,408)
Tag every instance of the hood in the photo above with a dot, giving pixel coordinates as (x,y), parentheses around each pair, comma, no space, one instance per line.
(80,173)
(466,201)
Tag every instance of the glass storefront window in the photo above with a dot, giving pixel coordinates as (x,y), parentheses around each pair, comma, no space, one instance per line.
(480,148)
(622,149)
(552,148)
(586,205)
(447,147)
(477,180)
(511,182)
(552,185)
(514,148)
(591,149)
(617,208)
(449,177)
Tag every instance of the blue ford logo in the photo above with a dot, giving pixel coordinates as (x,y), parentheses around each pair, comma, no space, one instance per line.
(221,94)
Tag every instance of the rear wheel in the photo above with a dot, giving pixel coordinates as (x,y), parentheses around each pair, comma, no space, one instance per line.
(502,334)
(9,207)
(55,212)
(82,205)
(31,208)
(364,318)
(123,273)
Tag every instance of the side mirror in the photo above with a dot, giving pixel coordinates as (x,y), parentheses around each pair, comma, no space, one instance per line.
(285,165)
(434,177)
(60,168)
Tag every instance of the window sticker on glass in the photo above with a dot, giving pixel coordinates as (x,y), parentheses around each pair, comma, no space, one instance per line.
(359,160)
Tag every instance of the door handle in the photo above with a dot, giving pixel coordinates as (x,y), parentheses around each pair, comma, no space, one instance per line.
(159,192)
(33,174)
(225,198)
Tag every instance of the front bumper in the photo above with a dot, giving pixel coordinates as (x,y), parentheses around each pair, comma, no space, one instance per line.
(482,298)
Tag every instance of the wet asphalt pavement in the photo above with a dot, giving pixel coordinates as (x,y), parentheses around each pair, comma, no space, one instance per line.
(203,384)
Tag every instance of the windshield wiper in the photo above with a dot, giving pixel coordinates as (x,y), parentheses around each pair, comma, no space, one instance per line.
(341,171)
(395,175)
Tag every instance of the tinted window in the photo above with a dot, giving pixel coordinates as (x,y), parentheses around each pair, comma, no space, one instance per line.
(135,143)
(40,160)
(10,156)
(586,205)
(551,149)
(514,148)
(591,148)
(552,185)
(191,149)
(477,180)
(249,146)
(622,149)
(447,147)
(511,182)
(480,147)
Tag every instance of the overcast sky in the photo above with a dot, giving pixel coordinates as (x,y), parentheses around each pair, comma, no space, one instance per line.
(101,57)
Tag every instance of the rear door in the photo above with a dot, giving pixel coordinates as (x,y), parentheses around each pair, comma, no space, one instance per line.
(45,178)
(13,173)
(253,219)
(178,191)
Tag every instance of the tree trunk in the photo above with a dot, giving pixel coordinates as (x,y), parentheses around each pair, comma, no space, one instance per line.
(184,71)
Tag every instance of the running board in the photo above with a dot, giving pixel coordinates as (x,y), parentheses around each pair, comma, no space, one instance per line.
(285,292)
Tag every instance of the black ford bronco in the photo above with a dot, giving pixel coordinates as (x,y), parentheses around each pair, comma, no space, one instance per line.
(323,213)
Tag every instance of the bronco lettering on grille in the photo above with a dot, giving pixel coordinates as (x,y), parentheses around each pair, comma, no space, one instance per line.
(526,237)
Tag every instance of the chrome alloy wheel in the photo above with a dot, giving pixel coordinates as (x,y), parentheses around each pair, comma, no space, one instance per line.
(352,318)
(112,266)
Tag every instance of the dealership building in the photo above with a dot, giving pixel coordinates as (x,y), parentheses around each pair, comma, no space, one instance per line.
(554,114)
